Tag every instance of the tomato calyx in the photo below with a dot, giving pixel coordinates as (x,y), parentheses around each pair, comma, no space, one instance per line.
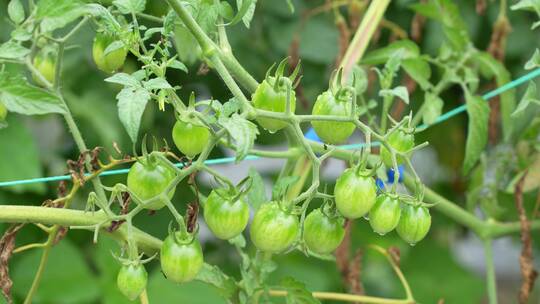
(282,83)
(182,236)
(230,193)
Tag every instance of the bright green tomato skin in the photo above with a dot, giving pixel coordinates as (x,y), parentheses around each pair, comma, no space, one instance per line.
(266,98)
(181,262)
(273,230)
(190,139)
(354,194)
(131,280)
(147,181)
(414,223)
(322,234)
(113,60)
(225,219)
(332,132)
(400,141)
(385,214)
(45,64)
(3,112)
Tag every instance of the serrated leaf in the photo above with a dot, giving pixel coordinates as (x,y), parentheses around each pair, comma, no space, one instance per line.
(382,55)
(281,186)
(432,108)
(297,292)
(21,97)
(15,11)
(246,9)
(242,131)
(419,70)
(124,79)
(175,64)
(257,193)
(529,96)
(490,67)
(130,6)
(214,276)
(400,92)
(157,83)
(477,133)
(534,62)
(56,14)
(13,50)
(113,46)
(131,104)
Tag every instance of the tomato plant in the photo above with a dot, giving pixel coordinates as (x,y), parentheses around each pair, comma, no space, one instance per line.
(278,185)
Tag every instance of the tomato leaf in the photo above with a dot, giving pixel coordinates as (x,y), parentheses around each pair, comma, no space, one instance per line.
(534,62)
(130,6)
(530,96)
(56,14)
(433,106)
(131,104)
(408,48)
(257,193)
(478,111)
(157,83)
(13,50)
(400,92)
(297,292)
(21,97)
(15,11)
(246,8)
(242,131)
(212,275)
(419,70)
(490,67)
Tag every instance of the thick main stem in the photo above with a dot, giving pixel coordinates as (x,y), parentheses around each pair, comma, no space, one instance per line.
(491,279)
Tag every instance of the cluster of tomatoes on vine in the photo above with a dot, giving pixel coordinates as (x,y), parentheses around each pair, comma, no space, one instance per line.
(276,225)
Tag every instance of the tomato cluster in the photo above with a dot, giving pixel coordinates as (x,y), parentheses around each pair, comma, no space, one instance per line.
(356,196)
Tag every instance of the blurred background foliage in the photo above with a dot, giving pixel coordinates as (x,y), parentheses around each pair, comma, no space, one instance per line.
(82,272)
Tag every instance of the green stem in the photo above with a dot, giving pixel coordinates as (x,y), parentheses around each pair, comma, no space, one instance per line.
(346,297)
(42,264)
(491,279)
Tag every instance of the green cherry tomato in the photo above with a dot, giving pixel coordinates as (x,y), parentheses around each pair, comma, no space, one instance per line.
(111,61)
(322,233)
(399,140)
(354,194)
(148,178)
(45,64)
(385,214)
(189,138)
(131,280)
(3,112)
(273,230)
(181,260)
(267,98)
(414,223)
(226,218)
(332,132)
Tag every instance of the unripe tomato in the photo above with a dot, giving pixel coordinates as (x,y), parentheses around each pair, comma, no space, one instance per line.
(332,132)
(273,230)
(181,260)
(354,194)
(385,214)
(44,62)
(322,233)
(189,138)
(131,280)
(414,223)
(266,98)
(399,140)
(148,178)
(111,61)
(226,218)
(3,112)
